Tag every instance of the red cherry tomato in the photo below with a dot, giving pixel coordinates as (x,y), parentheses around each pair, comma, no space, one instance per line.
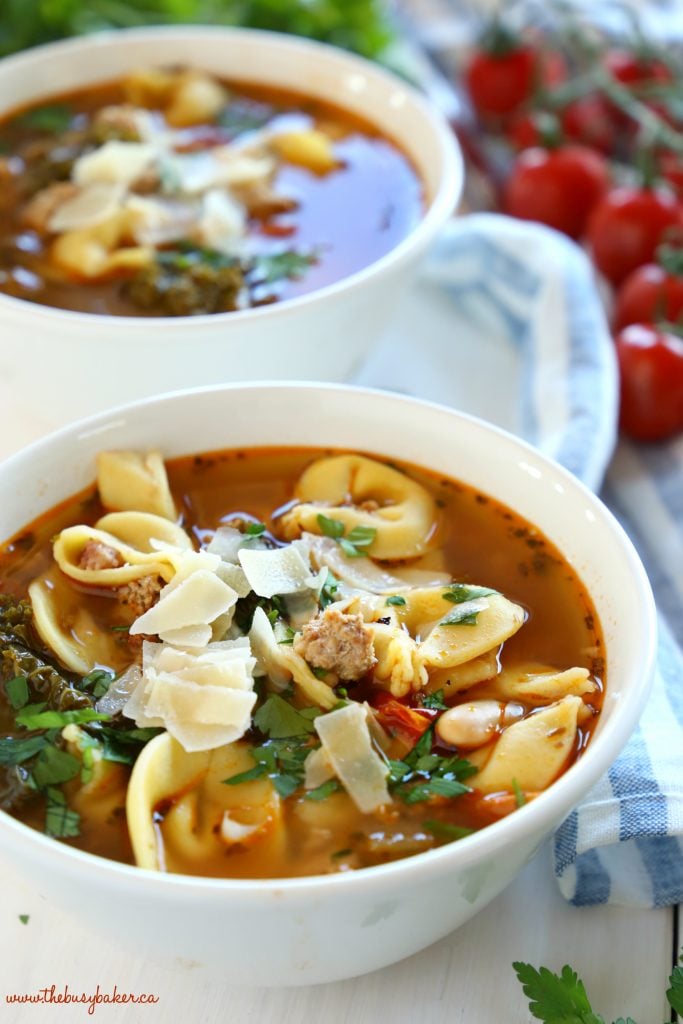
(400,720)
(499,84)
(590,121)
(635,69)
(651,369)
(626,227)
(558,187)
(532,128)
(671,169)
(649,294)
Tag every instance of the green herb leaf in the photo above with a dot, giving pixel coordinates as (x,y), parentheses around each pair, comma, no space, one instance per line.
(463,615)
(458,593)
(16,750)
(98,679)
(323,791)
(24,918)
(362,536)
(34,717)
(329,590)
(60,822)
(446,830)
(330,527)
(289,636)
(433,701)
(53,119)
(436,786)
(279,719)
(257,772)
(286,784)
(675,993)
(396,600)
(255,529)
(54,766)
(277,266)
(520,799)
(124,745)
(17,691)
(423,774)
(556,999)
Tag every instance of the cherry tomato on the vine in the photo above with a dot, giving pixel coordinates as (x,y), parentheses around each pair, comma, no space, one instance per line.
(649,294)
(651,389)
(502,76)
(590,121)
(557,187)
(632,68)
(627,226)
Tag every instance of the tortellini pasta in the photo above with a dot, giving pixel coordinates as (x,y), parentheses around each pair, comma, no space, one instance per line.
(134,481)
(202,816)
(361,492)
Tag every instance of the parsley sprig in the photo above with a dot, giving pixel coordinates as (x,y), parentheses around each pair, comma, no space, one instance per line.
(466,611)
(423,774)
(562,999)
(355,543)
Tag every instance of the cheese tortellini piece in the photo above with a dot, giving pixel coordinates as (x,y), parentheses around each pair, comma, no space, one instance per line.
(134,481)
(361,492)
(202,815)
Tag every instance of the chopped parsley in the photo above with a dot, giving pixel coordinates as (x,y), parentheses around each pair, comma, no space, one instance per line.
(253,530)
(24,918)
(17,749)
(353,544)
(279,719)
(289,636)
(423,774)
(328,594)
(98,679)
(446,830)
(520,799)
(323,791)
(277,266)
(60,821)
(35,716)
(123,745)
(17,691)
(458,593)
(282,761)
(53,119)
(396,600)
(433,701)
(53,766)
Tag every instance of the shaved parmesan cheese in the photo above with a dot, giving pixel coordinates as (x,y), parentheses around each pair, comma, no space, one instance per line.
(346,741)
(276,571)
(189,636)
(158,221)
(196,600)
(222,222)
(317,769)
(234,576)
(203,699)
(114,162)
(92,205)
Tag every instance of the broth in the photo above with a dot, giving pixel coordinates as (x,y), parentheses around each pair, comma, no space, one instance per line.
(321,225)
(482,542)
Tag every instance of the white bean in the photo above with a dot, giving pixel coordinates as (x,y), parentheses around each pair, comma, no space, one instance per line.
(470,725)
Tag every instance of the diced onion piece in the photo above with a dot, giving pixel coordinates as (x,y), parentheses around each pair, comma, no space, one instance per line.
(91,205)
(119,692)
(136,481)
(345,737)
(115,162)
(277,571)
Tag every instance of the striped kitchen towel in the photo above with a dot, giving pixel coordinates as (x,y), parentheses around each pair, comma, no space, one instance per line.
(506,322)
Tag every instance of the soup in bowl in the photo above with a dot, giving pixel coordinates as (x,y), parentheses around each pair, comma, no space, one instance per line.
(205,204)
(333,696)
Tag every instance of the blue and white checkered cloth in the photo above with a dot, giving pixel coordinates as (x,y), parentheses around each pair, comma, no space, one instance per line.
(506,322)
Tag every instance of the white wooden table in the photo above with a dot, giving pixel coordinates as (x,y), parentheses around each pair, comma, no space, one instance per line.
(623,956)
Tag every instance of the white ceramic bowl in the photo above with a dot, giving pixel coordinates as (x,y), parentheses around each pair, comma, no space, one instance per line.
(88,362)
(307,930)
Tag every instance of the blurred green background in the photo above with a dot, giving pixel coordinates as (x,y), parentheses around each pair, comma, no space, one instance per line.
(360,25)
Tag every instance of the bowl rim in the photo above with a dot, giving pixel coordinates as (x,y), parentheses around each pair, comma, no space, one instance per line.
(535,818)
(444,202)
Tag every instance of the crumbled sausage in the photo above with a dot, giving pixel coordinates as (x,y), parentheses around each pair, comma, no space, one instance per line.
(262,201)
(39,210)
(338,643)
(140,595)
(96,556)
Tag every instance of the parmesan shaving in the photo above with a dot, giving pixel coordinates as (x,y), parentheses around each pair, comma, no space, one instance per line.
(346,741)
(92,205)
(193,601)
(115,162)
(277,571)
(317,769)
